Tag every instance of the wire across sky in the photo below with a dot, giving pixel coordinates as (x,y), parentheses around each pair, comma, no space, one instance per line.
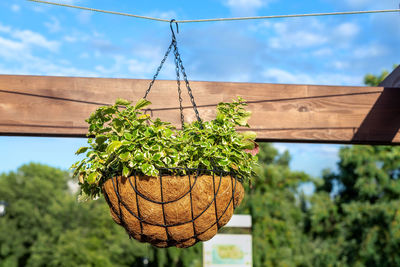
(220,19)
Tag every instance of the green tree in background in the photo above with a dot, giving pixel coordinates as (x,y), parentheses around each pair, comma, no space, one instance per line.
(45,226)
(274,201)
(360,225)
(375,80)
(354,216)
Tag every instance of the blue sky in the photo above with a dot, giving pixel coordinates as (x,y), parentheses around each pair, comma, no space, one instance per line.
(38,39)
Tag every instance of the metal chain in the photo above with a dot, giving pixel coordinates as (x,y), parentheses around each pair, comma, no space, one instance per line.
(178,81)
(187,84)
(178,68)
(159,68)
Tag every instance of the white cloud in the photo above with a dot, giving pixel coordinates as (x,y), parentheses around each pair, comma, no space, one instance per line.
(358,3)
(53,25)
(141,62)
(245,3)
(31,39)
(340,64)
(350,5)
(347,30)
(297,39)
(5,29)
(10,49)
(70,38)
(18,55)
(76,36)
(246,7)
(32,65)
(84,55)
(19,43)
(323,52)
(84,17)
(275,75)
(369,4)
(370,51)
(15,8)
(295,33)
(163,14)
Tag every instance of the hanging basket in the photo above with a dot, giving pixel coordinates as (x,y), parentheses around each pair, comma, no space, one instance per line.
(177,207)
(173,210)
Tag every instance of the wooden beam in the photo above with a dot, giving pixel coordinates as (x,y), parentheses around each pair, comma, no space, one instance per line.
(58,106)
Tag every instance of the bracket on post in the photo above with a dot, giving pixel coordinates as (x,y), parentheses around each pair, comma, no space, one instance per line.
(393,79)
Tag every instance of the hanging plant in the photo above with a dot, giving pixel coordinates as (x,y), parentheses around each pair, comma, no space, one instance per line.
(166,186)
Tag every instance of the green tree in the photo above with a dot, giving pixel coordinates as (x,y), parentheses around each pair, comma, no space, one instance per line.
(375,80)
(360,226)
(274,201)
(354,216)
(45,226)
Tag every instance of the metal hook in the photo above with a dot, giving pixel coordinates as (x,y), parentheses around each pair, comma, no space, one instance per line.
(172,30)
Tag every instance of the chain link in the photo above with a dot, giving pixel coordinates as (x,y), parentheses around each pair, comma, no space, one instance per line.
(158,69)
(178,81)
(178,68)
(188,86)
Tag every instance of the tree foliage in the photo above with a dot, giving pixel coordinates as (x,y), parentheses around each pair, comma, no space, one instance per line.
(274,201)
(375,80)
(45,226)
(355,213)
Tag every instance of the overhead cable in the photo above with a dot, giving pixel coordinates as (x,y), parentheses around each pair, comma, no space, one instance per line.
(221,19)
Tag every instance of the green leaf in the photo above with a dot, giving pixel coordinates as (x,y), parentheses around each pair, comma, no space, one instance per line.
(220,116)
(148,169)
(125,156)
(205,162)
(223,162)
(141,104)
(122,102)
(91,179)
(139,156)
(242,120)
(81,150)
(109,110)
(126,171)
(143,117)
(248,144)
(113,146)
(249,135)
(167,161)
(156,156)
(100,139)
(128,136)
(118,126)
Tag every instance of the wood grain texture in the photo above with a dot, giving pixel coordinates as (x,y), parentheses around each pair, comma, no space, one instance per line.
(58,106)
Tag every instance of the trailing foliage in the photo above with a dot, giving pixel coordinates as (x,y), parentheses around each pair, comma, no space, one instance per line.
(126,140)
